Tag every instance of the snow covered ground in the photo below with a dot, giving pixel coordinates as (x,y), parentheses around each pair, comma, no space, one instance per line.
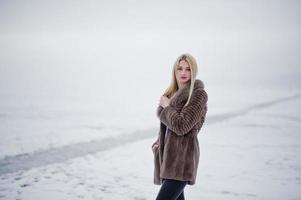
(251,152)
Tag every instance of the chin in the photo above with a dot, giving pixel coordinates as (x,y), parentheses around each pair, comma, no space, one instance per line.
(185,81)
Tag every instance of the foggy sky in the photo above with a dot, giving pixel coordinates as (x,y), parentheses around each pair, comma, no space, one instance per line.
(61,47)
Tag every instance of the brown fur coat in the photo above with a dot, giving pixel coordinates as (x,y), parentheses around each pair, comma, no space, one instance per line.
(178,155)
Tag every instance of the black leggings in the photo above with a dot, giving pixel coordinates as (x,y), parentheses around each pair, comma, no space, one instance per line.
(171,190)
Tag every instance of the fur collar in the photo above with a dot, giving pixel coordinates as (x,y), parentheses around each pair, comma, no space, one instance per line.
(181,96)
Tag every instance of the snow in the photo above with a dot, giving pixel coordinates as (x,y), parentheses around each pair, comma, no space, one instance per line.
(254,155)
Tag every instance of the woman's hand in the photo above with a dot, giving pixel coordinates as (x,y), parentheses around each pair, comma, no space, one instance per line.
(164,101)
(154,148)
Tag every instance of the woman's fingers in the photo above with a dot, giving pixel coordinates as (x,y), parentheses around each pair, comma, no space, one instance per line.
(154,147)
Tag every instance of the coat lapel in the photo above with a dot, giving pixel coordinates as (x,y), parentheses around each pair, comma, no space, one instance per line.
(181,96)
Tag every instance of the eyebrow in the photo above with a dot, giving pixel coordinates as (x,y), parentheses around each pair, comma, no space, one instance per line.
(186,67)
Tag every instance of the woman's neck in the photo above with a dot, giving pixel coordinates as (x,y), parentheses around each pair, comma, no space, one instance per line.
(181,85)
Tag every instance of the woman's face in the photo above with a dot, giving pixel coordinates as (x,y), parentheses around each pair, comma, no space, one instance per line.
(183,73)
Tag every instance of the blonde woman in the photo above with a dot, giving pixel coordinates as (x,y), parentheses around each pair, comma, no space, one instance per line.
(182,110)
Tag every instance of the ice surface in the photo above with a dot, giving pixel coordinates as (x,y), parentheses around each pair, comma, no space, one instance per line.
(254,155)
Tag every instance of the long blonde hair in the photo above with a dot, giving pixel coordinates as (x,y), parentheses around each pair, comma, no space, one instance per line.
(173,87)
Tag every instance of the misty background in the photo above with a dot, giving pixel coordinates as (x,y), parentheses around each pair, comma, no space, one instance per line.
(89,65)
(105,51)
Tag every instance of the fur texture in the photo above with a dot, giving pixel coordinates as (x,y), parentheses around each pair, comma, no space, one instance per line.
(178,155)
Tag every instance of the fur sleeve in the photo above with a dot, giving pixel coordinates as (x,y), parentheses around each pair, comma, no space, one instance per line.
(182,122)
(159,109)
